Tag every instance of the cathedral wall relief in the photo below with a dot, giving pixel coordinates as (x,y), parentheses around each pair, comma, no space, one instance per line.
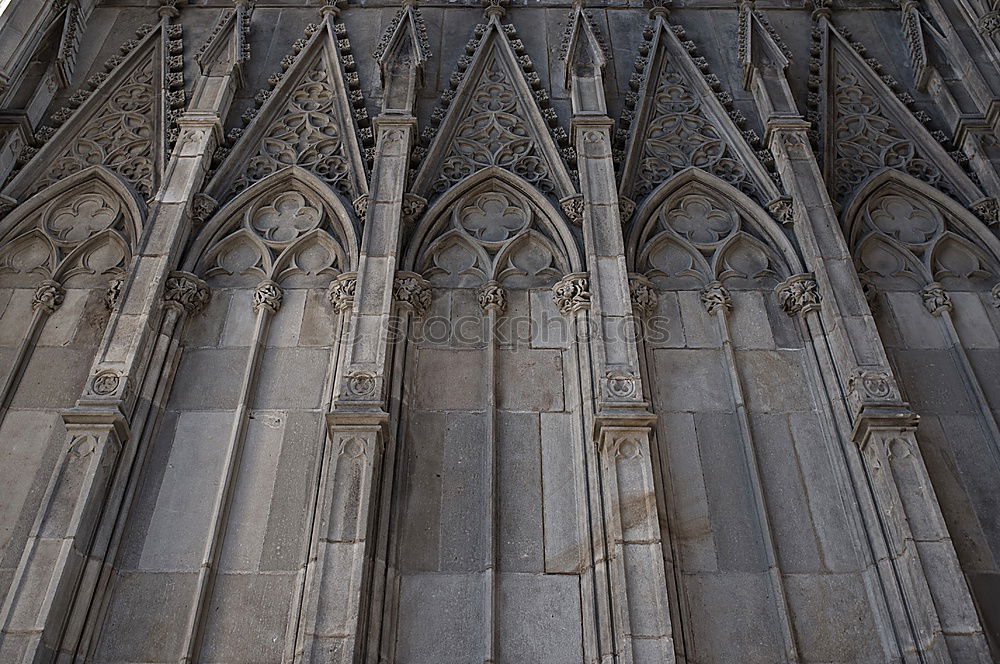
(929,268)
(354,332)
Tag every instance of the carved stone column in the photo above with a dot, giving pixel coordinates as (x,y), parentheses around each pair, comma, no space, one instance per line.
(49,296)
(80,493)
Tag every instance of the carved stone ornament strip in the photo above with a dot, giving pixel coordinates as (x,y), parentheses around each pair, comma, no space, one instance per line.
(267,297)
(572,293)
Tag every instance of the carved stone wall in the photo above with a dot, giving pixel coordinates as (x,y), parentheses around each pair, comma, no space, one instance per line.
(623,332)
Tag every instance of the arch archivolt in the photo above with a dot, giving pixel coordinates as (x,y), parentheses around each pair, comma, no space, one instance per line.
(696,229)
(492,227)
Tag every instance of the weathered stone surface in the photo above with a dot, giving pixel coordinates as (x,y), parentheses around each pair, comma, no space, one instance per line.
(214,447)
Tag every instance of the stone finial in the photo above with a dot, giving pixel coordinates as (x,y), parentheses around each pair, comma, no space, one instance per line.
(341,291)
(798,295)
(332,8)
(659,8)
(413,292)
(716,298)
(492,297)
(936,299)
(572,293)
(188,291)
(496,8)
(48,297)
(267,297)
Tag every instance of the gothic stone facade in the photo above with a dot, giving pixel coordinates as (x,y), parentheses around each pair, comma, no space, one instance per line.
(527,333)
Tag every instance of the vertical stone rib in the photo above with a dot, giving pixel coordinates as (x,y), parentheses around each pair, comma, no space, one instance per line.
(343,304)
(266,302)
(719,305)
(185,295)
(492,299)
(969,375)
(48,297)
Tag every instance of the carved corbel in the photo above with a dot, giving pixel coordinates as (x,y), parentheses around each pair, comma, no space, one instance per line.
(492,297)
(716,298)
(187,291)
(798,295)
(572,293)
(643,296)
(936,298)
(267,297)
(413,292)
(341,291)
(49,296)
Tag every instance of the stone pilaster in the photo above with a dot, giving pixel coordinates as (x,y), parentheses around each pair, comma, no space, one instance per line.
(336,613)
(622,421)
(84,488)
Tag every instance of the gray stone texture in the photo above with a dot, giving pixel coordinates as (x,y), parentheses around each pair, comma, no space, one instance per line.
(266,476)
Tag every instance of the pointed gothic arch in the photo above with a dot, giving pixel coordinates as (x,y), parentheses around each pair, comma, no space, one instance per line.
(62,223)
(541,215)
(289,223)
(927,227)
(747,227)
